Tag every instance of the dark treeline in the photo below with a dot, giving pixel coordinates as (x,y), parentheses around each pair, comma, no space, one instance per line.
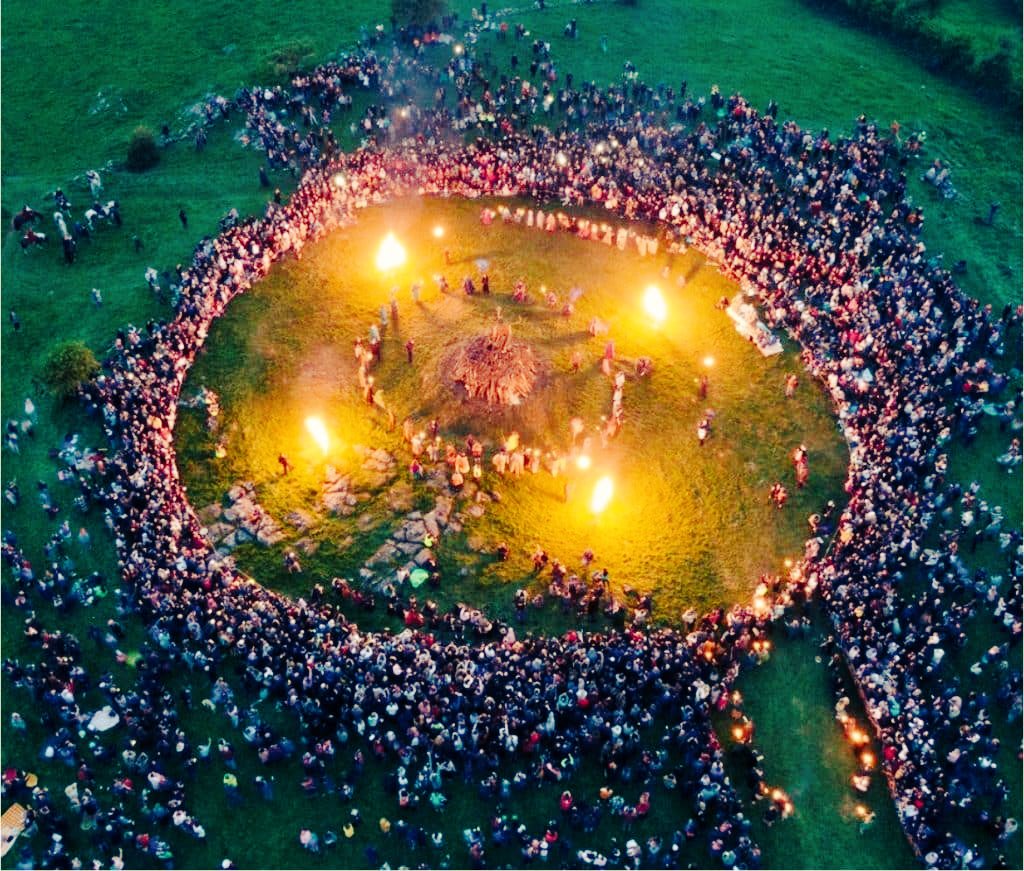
(952,55)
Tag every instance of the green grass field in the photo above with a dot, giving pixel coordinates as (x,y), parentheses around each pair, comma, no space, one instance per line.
(78,77)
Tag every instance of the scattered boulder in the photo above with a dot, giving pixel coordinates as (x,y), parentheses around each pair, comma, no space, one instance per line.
(308,546)
(217,531)
(301,520)
(367,521)
(208,514)
(400,497)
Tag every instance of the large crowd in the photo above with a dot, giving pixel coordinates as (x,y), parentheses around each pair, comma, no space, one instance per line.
(821,230)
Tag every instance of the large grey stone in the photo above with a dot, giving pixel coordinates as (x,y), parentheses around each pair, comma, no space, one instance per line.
(217,531)
(301,520)
(367,521)
(415,530)
(269,535)
(400,497)
(209,513)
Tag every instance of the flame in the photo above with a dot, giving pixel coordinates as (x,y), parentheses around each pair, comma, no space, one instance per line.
(318,431)
(602,495)
(655,305)
(391,254)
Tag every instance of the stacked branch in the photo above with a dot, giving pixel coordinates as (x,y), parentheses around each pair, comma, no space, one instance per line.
(495,368)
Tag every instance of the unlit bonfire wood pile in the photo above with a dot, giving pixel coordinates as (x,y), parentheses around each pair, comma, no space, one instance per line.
(495,367)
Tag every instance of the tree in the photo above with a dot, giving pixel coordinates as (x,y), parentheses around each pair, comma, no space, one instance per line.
(418,13)
(142,151)
(69,366)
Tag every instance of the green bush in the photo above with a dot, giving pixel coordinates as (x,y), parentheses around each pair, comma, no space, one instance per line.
(142,151)
(69,366)
(940,50)
(417,13)
(286,60)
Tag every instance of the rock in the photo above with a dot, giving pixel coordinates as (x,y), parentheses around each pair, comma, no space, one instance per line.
(431,525)
(383,457)
(209,513)
(476,543)
(386,553)
(409,547)
(301,520)
(414,530)
(475,510)
(307,546)
(399,497)
(443,508)
(365,574)
(367,521)
(414,515)
(229,542)
(455,526)
(336,502)
(334,481)
(351,499)
(236,492)
(381,479)
(424,556)
(218,531)
(269,535)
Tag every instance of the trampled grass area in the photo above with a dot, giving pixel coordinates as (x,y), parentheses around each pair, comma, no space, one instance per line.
(692,525)
(67,66)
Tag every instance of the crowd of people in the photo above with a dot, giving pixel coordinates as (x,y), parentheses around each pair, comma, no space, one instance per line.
(820,229)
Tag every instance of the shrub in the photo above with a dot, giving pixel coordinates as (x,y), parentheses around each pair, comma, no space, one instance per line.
(142,151)
(286,60)
(69,366)
(417,13)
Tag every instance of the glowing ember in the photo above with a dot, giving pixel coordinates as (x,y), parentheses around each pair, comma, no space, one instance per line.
(709,361)
(339,180)
(655,305)
(602,495)
(583,462)
(438,231)
(391,254)
(561,159)
(316,428)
